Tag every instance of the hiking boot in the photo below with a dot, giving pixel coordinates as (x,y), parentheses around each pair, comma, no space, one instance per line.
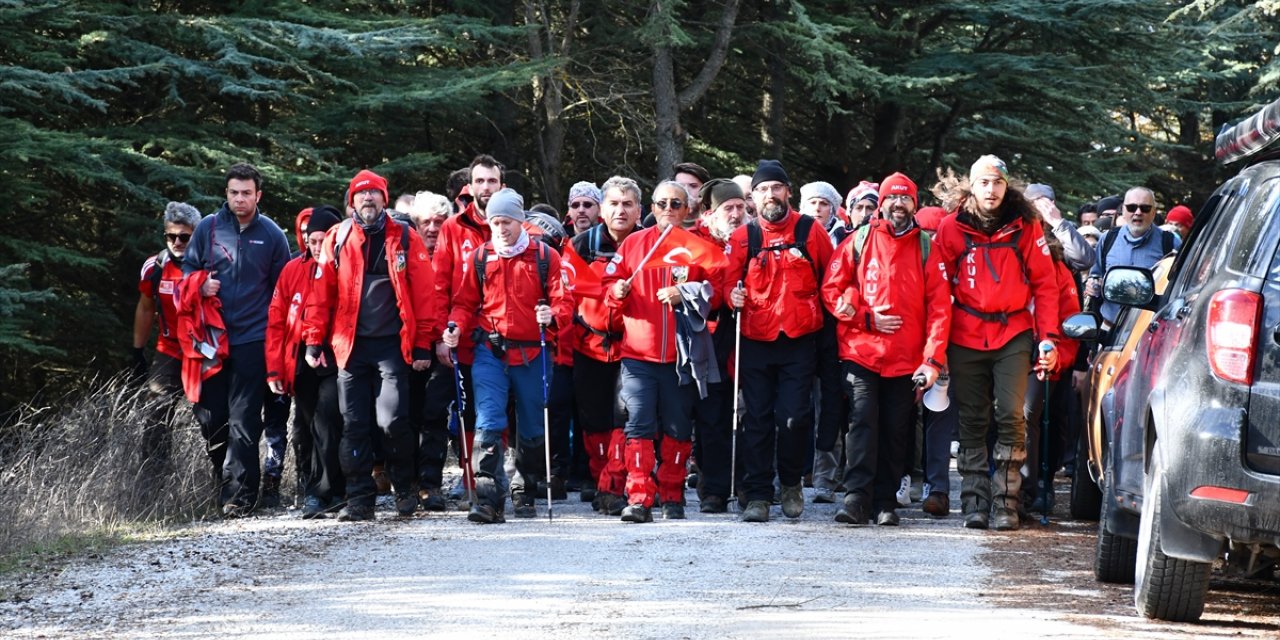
(637,513)
(588,493)
(356,512)
(1005,520)
(938,504)
(558,491)
(484,513)
(431,500)
(269,497)
(523,507)
(888,518)
(406,504)
(853,511)
(756,511)
(313,507)
(712,504)
(976,520)
(611,504)
(381,480)
(672,511)
(793,501)
(824,496)
(233,511)
(904,491)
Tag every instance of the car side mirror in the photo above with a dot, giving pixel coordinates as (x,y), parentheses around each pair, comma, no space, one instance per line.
(1081,326)
(1129,286)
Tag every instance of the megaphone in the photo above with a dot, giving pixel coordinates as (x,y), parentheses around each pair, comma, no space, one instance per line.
(936,398)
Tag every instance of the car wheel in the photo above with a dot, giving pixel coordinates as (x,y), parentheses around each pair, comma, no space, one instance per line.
(1086,499)
(1166,588)
(1116,555)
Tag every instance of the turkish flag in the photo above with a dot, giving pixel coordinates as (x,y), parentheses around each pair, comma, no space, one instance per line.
(680,248)
(583,282)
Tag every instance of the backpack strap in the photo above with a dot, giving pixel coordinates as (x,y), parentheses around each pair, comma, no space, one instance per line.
(344,232)
(544,266)
(1166,241)
(1012,243)
(926,243)
(157,274)
(755,240)
(1107,242)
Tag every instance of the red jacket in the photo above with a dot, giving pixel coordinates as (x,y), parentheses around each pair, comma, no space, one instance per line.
(460,235)
(199,323)
(649,326)
(288,306)
(782,285)
(166,312)
(995,282)
(596,313)
(512,288)
(890,271)
(1068,304)
(334,307)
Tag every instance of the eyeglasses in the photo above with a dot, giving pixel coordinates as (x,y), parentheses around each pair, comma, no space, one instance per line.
(1146,208)
(901,197)
(582,204)
(776,187)
(178,237)
(674,203)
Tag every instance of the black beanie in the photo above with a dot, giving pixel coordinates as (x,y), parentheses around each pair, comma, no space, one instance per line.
(717,192)
(770,170)
(1109,203)
(323,218)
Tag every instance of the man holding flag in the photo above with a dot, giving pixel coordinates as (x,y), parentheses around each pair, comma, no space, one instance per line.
(656,271)
(781,262)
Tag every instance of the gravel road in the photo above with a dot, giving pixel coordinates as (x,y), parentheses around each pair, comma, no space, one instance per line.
(586,576)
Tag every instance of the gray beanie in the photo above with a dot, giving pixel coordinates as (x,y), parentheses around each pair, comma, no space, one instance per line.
(505,203)
(822,190)
(1037,190)
(585,189)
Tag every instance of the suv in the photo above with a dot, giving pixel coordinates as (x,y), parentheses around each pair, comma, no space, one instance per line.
(1202,403)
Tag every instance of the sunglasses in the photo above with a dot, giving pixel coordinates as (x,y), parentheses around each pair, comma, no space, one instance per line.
(1146,208)
(674,203)
(581,204)
(177,237)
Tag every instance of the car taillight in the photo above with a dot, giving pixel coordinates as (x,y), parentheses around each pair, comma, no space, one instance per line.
(1232,329)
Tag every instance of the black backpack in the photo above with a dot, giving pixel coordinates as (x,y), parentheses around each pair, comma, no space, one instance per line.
(481,257)
(755,240)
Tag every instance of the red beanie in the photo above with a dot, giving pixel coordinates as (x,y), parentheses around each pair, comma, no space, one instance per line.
(929,217)
(898,184)
(364,181)
(1180,214)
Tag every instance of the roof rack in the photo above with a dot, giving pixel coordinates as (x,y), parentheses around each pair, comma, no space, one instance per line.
(1249,136)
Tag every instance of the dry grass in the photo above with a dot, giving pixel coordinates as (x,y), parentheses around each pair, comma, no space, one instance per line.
(89,466)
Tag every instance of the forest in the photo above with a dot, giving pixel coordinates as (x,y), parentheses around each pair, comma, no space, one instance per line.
(108,110)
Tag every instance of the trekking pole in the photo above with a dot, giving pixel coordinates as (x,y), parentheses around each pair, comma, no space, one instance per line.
(459,406)
(546,412)
(733,447)
(1046,484)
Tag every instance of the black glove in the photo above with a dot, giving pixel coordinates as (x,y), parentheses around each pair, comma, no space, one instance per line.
(138,366)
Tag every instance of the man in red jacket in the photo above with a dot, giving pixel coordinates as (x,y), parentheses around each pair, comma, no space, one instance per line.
(998,260)
(372,300)
(520,298)
(319,419)
(781,261)
(597,351)
(889,292)
(649,380)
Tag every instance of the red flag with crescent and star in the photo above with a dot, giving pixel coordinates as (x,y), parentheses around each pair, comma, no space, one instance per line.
(583,282)
(681,248)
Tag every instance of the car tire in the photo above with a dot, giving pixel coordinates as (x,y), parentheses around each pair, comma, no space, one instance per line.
(1166,588)
(1086,498)
(1116,555)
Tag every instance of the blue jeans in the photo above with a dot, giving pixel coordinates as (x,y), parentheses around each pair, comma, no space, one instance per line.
(939,430)
(495,381)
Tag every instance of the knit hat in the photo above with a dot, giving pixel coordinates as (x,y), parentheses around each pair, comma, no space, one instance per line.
(822,190)
(1089,230)
(1180,214)
(323,218)
(989,165)
(769,170)
(506,203)
(365,180)
(1109,203)
(585,189)
(1037,190)
(898,184)
(929,217)
(864,191)
(717,192)
(550,226)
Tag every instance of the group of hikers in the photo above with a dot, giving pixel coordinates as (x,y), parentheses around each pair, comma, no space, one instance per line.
(727,335)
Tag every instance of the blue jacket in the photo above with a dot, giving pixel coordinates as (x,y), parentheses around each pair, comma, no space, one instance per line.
(247,264)
(1126,251)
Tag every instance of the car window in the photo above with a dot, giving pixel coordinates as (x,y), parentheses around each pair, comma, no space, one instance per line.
(1119,333)
(1250,220)
(1195,265)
